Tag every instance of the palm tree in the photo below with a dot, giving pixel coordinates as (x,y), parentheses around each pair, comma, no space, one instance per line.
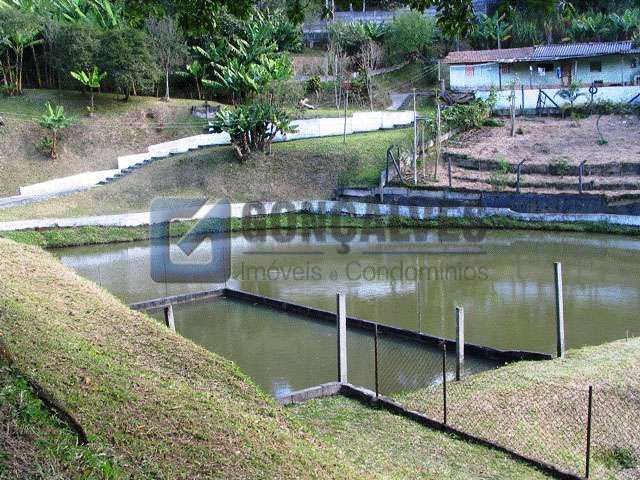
(90,80)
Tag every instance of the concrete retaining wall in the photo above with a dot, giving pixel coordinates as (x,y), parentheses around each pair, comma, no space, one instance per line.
(307,128)
(563,204)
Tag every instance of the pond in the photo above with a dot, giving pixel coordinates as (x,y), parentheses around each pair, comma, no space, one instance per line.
(408,278)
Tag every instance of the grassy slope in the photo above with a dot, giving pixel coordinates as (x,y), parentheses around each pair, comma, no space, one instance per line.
(118,128)
(35,443)
(295,170)
(395,447)
(160,405)
(539,408)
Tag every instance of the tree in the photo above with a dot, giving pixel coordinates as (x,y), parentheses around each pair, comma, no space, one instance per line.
(18,30)
(411,34)
(126,56)
(91,80)
(53,120)
(251,127)
(369,58)
(196,71)
(491,31)
(168,45)
(454,17)
(75,47)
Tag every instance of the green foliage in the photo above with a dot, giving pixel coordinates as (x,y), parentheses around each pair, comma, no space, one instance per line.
(247,65)
(91,80)
(525,29)
(314,85)
(18,30)
(411,34)
(454,17)
(560,166)
(598,26)
(617,458)
(129,61)
(251,127)
(499,178)
(493,122)
(490,31)
(351,37)
(54,120)
(76,47)
(571,93)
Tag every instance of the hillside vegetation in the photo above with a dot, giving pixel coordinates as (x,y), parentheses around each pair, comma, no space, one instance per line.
(152,402)
(118,128)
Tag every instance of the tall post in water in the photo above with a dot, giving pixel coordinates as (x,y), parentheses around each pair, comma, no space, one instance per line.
(559,310)
(459,342)
(341,323)
(168,318)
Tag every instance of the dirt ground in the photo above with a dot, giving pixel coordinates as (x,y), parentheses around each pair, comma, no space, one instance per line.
(547,139)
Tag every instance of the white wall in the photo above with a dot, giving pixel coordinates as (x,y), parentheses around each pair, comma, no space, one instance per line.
(612,94)
(484,76)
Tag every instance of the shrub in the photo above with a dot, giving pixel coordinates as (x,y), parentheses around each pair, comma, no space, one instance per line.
(560,166)
(251,127)
(411,34)
(54,120)
(499,178)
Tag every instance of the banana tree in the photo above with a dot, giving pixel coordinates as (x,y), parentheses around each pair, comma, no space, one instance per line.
(18,31)
(53,120)
(196,71)
(91,80)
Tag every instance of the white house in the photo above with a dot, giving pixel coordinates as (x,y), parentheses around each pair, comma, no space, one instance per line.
(546,66)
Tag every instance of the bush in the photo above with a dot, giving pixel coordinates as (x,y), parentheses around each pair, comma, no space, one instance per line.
(127,58)
(287,93)
(499,178)
(411,34)
(76,48)
(251,127)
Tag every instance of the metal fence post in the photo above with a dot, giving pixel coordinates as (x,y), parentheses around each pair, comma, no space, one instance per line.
(341,323)
(589,417)
(459,342)
(444,381)
(580,172)
(559,310)
(375,356)
(168,318)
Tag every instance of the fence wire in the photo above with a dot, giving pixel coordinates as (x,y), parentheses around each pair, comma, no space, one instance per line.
(545,421)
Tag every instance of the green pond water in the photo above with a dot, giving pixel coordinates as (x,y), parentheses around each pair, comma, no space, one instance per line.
(408,278)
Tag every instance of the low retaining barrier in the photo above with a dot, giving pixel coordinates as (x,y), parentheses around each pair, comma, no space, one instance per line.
(352,322)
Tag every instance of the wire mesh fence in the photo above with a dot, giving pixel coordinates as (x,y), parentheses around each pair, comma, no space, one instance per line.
(584,430)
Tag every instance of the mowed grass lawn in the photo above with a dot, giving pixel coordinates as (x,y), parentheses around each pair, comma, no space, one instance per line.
(385,445)
(297,170)
(118,128)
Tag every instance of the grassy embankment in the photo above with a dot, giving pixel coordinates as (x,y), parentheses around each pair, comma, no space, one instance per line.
(90,235)
(155,405)
(301,169)
(152,403)
(118,128)
(537,408)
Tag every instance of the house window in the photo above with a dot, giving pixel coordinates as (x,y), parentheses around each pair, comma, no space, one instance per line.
(505,68)
(469,71)
(595,66)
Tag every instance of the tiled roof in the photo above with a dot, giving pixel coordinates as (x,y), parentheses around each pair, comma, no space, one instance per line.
(573,50)
(542,52)
(481,56)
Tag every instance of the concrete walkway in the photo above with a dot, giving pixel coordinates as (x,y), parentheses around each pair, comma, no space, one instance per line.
(358,209)
(397,100)
(359,122)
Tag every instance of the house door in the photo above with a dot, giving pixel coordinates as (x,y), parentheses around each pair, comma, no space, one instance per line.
(566,73)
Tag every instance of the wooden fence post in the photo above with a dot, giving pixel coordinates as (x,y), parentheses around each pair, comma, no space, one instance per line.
(341,333)
(559,310)
(459,342)
(168,318)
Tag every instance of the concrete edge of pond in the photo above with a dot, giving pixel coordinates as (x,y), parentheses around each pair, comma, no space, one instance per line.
(324,207)
(490,353)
